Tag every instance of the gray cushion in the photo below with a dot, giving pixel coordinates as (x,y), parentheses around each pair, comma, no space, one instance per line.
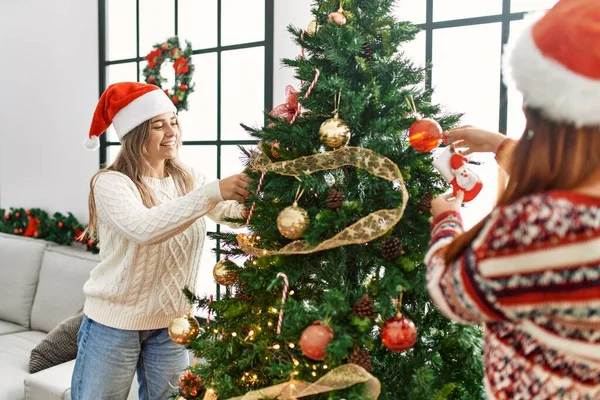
(20,260)
(9,327)
(14,359)
(50,384)
(58,347)
(60,289)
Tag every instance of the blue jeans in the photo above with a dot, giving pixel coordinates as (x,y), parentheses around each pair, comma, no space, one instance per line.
(107,359)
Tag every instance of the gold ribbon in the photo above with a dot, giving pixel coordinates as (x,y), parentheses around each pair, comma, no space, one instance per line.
(342,377)
(364,230)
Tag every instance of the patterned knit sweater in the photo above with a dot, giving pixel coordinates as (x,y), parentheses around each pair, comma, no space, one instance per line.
(532,276)
(149,254)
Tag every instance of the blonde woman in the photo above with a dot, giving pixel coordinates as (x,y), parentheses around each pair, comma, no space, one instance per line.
(146,209)
(530,271)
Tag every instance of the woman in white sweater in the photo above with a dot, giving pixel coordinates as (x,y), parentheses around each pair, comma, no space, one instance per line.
(146,209)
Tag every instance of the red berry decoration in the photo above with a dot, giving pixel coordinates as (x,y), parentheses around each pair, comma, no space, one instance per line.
(183,86)
(17,214)
(315,340)
(398,333)
(425,134)
(60,224)
(174,99)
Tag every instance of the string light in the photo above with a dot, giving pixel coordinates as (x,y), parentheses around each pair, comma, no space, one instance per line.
(215,330)
(292,292)
(291,345)
(325,366)
(269,323)
(234,334)
(296,362)
(314,367)
(314,373)
(274,310)
(276,346)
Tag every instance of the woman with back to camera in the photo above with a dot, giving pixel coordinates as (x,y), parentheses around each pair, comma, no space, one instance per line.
(147,210)
(530,271)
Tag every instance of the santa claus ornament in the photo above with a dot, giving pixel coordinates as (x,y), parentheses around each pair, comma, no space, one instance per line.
(455,170)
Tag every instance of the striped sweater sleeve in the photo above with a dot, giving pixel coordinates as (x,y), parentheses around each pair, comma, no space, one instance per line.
(458,289)
(118,202)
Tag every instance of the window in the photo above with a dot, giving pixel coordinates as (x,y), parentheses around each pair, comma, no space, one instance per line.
(463,41)
(232,45)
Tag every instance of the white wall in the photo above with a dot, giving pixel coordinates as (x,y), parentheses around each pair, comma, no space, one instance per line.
(49,88)
(297,13)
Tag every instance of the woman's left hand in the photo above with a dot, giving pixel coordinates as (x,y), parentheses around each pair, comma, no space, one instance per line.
(446,202)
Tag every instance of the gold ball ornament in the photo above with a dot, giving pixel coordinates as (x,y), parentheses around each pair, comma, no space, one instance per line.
(334,133)
(312,27)
(292,221)
(223,274)
(184,329)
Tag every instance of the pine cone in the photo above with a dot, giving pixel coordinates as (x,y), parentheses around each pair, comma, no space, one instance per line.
(363,308)
(241,292)
(391,248)
(367,51)
(425,203)
(362,358)
(334,199)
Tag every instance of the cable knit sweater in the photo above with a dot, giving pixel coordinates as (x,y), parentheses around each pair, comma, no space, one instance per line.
(532,276)
(149,254)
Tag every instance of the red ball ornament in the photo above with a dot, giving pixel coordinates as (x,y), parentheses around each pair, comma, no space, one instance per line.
(90,243)
(398,333)
(174,99)
(338,17)
(425,134)
(183,86)
(17,214)
(60,224)
(315,340)
(7,216)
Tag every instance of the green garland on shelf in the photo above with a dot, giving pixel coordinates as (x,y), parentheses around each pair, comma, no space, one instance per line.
(36,223)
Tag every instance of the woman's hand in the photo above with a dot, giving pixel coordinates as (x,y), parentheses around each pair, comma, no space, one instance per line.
(446,202)
(234,187)
(468,139)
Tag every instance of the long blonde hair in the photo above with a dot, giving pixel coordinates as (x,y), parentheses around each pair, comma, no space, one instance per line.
(555,156)
(132,161)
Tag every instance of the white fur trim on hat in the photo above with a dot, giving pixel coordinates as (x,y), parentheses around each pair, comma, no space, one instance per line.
(547,85)
(142,109)
(92,143)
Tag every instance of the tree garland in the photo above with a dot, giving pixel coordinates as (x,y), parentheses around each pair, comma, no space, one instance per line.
(182,64)
(36,223)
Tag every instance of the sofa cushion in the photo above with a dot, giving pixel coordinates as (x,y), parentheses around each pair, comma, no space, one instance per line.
(55,384)
(14,360)
(59,346)
(60,289)
(20,260)
(9,327)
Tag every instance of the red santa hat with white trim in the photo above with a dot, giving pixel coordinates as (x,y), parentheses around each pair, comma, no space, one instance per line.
(457,161)
(555,63)
(125,105)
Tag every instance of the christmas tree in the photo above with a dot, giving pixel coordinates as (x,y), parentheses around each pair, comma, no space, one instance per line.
(328,285)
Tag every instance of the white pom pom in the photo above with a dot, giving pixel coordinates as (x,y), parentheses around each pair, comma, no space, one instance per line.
(92,143)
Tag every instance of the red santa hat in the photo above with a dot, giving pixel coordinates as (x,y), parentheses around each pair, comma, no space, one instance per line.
(555,62)
(457,161)
(125,105)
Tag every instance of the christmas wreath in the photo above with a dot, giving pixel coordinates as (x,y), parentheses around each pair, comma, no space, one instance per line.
(182,64)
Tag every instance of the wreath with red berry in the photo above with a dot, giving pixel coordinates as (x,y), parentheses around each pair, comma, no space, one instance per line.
(170,50)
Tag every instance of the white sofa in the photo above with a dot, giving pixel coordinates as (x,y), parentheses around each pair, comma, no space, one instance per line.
(40,286)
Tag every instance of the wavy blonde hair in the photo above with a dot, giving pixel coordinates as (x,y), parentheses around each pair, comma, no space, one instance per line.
(132,161)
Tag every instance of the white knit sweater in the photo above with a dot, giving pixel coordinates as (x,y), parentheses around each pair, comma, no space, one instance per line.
(149,254)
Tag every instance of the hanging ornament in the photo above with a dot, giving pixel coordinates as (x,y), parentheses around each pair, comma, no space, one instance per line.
(184,329)
(223,274)
(312,27)
(334,133)
(425,134)
(455,170)
(338,16)
(190,385)
(292,221)
(398,333)
(315,339)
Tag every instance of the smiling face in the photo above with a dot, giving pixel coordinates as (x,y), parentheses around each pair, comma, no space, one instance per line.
(163,141)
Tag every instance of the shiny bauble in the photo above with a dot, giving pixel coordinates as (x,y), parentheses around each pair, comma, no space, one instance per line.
(292,221)
(315,339)
(312,27)
(334,133)
(425,134)
(223,274)
(338,17)
(398,333)
(184,329)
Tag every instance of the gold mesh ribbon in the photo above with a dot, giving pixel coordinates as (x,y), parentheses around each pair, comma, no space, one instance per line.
(364,230)
(342,377)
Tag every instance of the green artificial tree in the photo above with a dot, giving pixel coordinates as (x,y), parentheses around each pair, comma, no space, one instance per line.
(352,65)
